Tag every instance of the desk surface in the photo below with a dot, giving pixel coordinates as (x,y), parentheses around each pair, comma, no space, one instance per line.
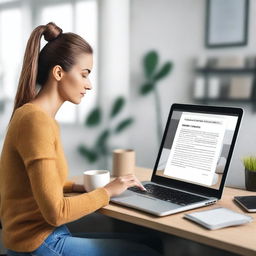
(239,239)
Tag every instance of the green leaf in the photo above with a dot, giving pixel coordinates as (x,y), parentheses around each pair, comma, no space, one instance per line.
(103,150)
(164,71)
(150,62)
(101,141)
(94,117)
(146,88)
(117,106)
(89,154)
(124,124)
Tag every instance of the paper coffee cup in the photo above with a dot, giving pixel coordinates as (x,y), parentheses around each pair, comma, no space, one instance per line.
(95,179)
(123,162)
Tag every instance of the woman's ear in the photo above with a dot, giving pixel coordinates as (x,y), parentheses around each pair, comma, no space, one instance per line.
(57,72)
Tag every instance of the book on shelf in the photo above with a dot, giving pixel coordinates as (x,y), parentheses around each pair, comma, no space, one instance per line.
(213,87)
(241,87)
(230,62)
(199,87)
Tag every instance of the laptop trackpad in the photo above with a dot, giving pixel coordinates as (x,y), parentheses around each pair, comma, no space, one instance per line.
(144,202)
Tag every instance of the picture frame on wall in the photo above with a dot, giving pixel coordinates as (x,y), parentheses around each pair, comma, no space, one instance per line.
(226,23)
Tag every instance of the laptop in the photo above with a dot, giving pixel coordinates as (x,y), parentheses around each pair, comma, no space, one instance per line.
(192,162)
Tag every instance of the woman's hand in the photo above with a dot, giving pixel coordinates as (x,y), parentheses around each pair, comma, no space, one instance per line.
(120,184)
(78,188)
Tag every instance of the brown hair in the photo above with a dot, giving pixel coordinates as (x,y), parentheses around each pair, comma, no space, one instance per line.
(62,49)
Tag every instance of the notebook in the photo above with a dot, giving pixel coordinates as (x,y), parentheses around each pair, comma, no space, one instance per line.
(192,162)
(218,218)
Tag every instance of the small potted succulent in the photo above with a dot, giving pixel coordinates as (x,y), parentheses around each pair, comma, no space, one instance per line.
(250,172)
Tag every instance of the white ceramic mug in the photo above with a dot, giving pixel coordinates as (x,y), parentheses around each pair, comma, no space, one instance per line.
(95,179)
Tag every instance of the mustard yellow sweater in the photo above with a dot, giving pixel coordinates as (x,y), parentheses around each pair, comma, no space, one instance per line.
(33,173)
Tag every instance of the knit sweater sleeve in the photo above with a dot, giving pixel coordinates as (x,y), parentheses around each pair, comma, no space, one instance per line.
(36,146)
(48,192)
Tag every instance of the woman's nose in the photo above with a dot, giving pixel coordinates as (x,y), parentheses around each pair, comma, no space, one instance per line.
(88,85)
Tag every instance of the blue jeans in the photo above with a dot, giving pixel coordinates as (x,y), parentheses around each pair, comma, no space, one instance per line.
(61,243)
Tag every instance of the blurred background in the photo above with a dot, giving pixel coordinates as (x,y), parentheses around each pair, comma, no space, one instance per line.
(148,54)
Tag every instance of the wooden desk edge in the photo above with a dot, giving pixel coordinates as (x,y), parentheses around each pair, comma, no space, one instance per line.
(190,235)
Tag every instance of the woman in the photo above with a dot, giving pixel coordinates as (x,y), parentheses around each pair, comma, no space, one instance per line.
(33,169)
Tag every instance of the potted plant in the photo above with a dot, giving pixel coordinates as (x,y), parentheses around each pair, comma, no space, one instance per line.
(250,172)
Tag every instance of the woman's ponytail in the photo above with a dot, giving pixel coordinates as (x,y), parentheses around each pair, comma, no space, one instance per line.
(27,83)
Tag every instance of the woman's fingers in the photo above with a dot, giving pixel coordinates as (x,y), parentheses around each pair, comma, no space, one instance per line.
(134,183)
(120,184)
(140,185)
(133,180)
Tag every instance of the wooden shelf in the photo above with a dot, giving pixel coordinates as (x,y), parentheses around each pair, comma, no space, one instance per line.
(225,100)
(226,70)
(207,72)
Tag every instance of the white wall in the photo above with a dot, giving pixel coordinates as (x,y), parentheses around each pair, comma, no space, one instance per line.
(161,25)
(176,29)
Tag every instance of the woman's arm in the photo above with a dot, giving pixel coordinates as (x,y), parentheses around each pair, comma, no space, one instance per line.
(48,193)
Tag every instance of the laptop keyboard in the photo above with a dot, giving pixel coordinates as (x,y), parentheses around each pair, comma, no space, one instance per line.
(168,194)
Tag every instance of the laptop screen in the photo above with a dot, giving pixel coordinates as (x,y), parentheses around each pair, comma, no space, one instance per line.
(196,146)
